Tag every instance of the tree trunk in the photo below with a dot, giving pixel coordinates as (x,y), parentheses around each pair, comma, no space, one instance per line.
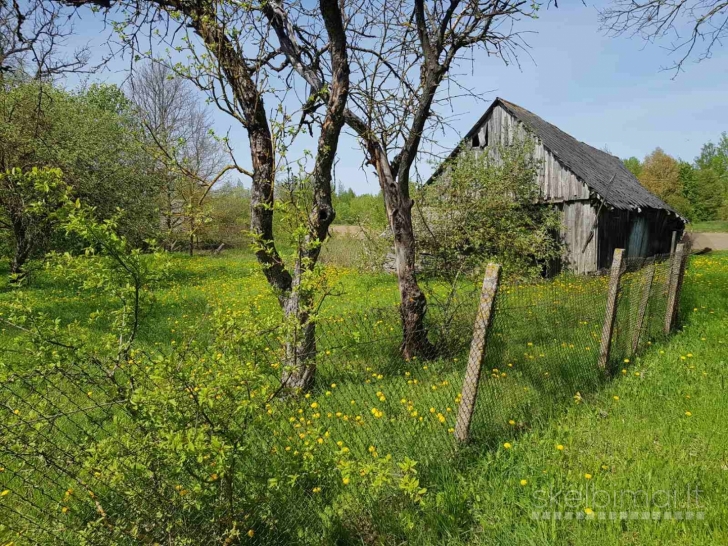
(300,351)
(413,304)
(192,237)
(23,247)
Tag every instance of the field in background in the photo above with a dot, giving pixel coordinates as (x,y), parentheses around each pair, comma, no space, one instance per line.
(714,226)
(635,439)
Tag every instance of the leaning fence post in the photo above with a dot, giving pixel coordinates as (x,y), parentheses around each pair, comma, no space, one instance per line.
(644,300)
(611,308)
(676,266)
(477,351)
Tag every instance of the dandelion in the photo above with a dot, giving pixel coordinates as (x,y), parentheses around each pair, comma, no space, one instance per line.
(507,445)
(511,422)
(560,447)
(251,533)
(588,511)
(524,482)
(346,481)
(7,491)
(316,490)
(688,413)
(626,360)
(616,397)
(587,476)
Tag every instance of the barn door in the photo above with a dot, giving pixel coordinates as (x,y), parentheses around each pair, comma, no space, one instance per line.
(639,238)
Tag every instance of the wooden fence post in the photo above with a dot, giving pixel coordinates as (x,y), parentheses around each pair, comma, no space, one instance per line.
(611,308)
(647,279)
(673,245)
(471,382)
(676,266)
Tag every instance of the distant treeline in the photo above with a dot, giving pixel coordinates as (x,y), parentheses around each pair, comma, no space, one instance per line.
(697,190)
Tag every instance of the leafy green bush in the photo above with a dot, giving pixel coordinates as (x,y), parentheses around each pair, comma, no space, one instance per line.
(31,205)
(485,207)
(189,443)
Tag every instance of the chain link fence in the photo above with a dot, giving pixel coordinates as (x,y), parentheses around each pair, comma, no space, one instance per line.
(87,456)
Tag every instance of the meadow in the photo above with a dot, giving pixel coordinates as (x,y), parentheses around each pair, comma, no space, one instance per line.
(547,419)
(710,226)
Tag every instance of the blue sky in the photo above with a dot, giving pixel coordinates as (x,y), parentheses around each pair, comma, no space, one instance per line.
(608,92)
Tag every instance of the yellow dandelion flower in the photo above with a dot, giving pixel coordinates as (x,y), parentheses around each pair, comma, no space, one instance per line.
(507,445)
(524,482)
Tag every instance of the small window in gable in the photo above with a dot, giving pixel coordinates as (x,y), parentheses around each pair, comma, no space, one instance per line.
(476,141)
(485,138)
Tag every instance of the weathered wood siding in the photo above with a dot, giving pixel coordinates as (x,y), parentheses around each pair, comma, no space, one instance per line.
(577,220)
(557,183)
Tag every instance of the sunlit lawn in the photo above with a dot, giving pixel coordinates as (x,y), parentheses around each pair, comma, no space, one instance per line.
(541,390)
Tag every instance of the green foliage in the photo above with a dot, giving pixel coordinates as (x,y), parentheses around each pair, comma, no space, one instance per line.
(485,208)
(91,137)
(661,174)
(633,165)
(227,220)
(32,203)
(698,191)
(359,210)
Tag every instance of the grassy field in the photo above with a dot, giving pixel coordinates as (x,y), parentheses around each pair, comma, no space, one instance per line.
(714,226)
(659,429)
(549,426)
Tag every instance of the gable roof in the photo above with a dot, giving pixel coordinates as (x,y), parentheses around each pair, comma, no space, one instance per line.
(592,166)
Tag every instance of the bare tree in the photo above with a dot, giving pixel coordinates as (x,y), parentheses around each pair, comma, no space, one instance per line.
(404,54)
(231,59)
(692,28)
(177,132)
(31,35)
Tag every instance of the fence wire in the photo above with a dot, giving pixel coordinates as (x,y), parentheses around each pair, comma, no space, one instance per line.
(326,467)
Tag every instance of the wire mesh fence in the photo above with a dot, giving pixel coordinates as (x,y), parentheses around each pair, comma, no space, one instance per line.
(201,446)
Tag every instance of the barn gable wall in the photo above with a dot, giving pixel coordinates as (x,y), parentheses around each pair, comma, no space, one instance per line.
(557,183)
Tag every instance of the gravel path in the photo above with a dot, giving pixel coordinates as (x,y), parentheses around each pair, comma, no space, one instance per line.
(714,241)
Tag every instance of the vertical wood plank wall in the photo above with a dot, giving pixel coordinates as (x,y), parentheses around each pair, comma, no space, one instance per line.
(558,185)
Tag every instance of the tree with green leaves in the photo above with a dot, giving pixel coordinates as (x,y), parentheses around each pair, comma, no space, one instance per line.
(483,208)
(661,175)
(633,165)
(234,59)
(31,206)
(90,136)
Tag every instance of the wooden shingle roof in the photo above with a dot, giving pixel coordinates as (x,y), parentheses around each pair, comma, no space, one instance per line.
(603,173)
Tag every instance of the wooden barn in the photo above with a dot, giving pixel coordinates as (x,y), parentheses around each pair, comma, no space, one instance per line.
(603,205)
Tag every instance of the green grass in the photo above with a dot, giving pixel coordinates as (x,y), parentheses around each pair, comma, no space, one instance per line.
(642,441)
(713,226)
(541,352)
